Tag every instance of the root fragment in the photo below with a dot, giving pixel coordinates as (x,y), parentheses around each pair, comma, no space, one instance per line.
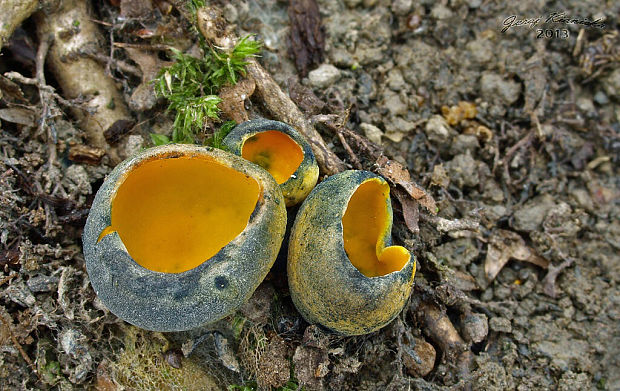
(80,76)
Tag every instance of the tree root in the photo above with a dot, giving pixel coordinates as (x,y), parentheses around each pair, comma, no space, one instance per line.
(14,12)
(441,330)
(80,76)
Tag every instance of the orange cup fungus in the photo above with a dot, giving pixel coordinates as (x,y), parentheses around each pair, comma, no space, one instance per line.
(180,236)
(280,150)
(343,270)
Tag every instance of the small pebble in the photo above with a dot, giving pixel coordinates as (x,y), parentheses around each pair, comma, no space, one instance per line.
(500,325)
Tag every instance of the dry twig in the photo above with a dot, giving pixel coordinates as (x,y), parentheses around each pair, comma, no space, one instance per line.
(19,347)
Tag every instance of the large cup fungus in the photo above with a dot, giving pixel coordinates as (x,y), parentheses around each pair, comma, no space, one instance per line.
(180,236)
(279,149)
(343,271)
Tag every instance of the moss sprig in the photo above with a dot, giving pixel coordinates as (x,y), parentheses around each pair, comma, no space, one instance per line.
(191,85)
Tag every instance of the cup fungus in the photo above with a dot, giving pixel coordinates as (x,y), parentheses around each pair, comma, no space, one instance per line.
(343,271)
(180,236)
(279,149)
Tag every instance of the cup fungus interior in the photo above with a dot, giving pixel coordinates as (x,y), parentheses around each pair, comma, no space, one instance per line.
(365,227)
(275,151)
(172,214)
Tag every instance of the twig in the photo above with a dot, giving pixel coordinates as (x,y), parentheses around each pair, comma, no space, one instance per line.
(7,279)
(141,46)
(121,65)
(347,147)
(521,143)
(8,327)
(445,225)
(552,275)
(441,330)
(34,82)
(45,97)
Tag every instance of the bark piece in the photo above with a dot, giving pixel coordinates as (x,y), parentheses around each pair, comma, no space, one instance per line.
(307,38)
(85,154)
(233,100)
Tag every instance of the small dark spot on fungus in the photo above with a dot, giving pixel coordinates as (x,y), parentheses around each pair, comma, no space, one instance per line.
(221,282)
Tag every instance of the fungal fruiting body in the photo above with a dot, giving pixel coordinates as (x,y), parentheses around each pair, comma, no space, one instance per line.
(280,150)
(366,227)
(343,271)
(173,214)
(180,236)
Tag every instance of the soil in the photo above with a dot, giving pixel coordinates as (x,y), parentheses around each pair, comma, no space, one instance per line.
(528,292)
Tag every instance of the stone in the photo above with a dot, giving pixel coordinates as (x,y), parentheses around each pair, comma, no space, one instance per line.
(401,7)
(463,170)
(323,76)
(530,215)
(480,50)
(372,132)
(474,327)
(441,12)
(437,130)
(394,103)
(494,88)
(418,357)
(459,252)
(464,143)
(396,128)
(611,84)
(500,325)
(395,79)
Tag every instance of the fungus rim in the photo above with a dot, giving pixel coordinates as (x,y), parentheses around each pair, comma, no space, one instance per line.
(306,171)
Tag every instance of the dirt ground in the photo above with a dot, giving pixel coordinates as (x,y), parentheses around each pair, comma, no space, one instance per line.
(515,134)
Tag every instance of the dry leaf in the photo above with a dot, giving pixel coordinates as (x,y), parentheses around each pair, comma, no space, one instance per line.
(398,175)
(411,213)
(18,115)
(505,245)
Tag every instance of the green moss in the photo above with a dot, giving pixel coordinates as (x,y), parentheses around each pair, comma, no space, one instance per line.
(191,86)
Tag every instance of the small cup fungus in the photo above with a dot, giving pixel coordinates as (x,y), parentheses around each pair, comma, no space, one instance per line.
(180,236)
(279,149)
(343,271)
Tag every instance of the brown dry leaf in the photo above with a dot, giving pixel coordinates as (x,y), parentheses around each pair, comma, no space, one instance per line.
(10,91)
(398,175)
(233,98)
(18,115)
(143,98)
(411,213)
(505,245)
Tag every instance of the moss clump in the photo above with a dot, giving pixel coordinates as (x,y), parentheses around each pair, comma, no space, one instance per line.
(140,365)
